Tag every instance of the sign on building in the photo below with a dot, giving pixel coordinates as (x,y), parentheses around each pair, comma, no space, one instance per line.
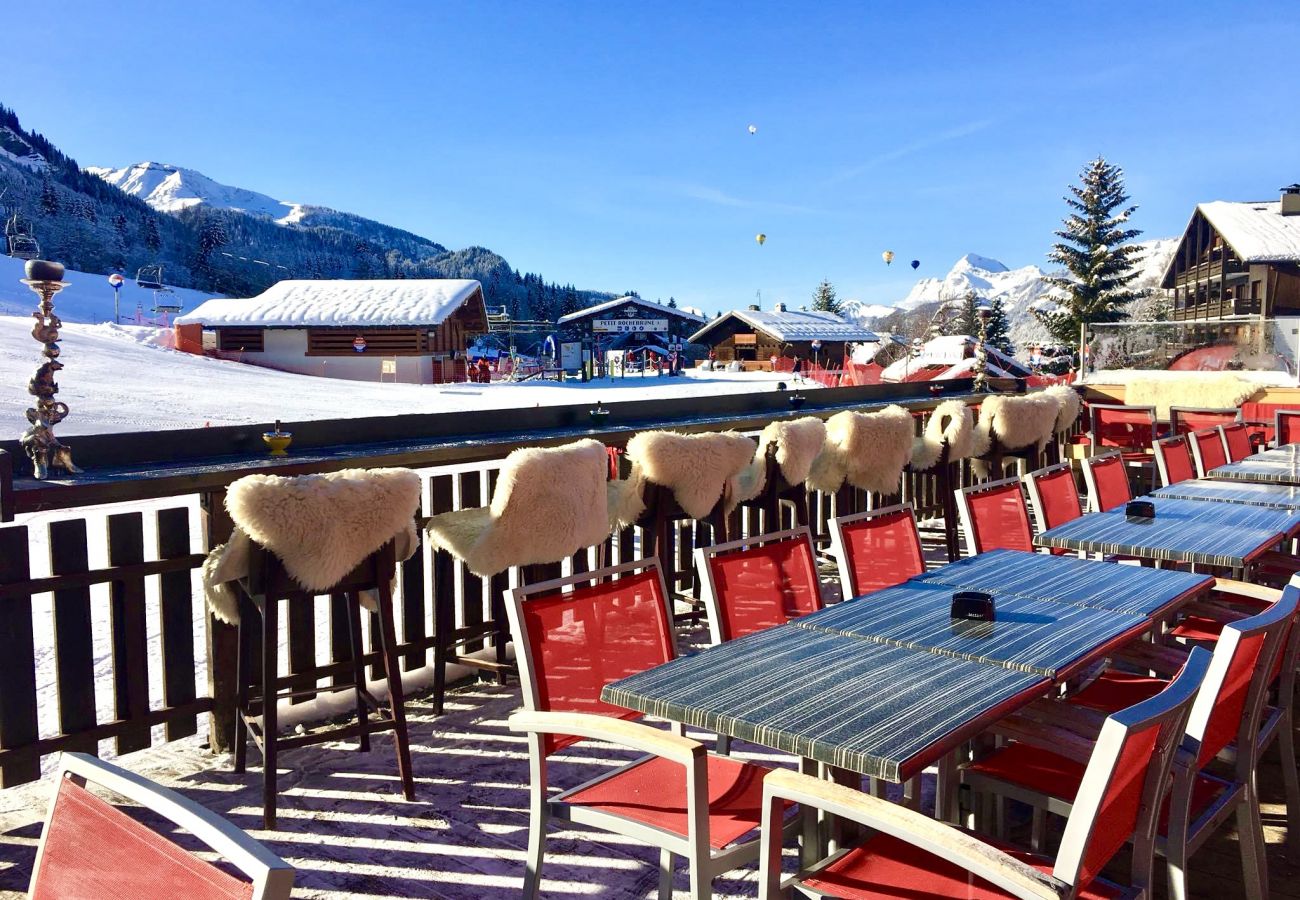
(571,356)
(624,326)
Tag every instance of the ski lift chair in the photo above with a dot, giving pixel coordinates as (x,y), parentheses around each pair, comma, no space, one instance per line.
(150,278)
(20,243)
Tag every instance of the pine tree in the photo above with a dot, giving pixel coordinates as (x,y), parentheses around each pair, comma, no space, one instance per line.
(824,299)
(49,196)
(966,321)
(152,239)
(1096,253)
(672,303)
(997,333)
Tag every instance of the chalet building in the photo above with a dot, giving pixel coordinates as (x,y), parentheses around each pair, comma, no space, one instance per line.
(408,330)
(626,323)
(1238,260)
(753,336)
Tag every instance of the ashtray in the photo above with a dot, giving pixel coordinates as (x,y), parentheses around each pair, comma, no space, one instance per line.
(1140,510)
(972,606)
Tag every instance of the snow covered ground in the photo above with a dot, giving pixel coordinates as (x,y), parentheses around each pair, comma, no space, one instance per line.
(121,378)
(88,298)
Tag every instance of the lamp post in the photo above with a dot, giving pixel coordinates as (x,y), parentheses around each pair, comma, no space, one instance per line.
(43,448)
(984,311)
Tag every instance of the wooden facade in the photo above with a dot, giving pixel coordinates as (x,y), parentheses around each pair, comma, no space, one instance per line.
(742,337)
(1209,280)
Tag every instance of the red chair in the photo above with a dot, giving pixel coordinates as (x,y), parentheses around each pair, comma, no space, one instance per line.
(90,849)
(1208,451)
(1053,495)
(573,636)
(1129,429)
(1236,441)
(876,549)
(1174,460)
(994,517)
(1287,426)
(1186,419)
(757,583)
(1107,482)
(1121,778)
(1230,706)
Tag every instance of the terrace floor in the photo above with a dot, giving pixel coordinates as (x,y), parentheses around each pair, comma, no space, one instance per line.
(345,828)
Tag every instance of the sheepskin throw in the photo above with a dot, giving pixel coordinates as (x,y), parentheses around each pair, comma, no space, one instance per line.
(320,526)
(866,450)
(1216,390)
(1016,421)
(1068,411)
(951,421)
(695,467)
(797,445)
(548,504)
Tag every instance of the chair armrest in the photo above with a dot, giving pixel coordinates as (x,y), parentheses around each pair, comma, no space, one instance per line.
(1245,589)
(944,841)
(1055,738)
(635,735)
(1165,660)
(1080,721)
(1219,612)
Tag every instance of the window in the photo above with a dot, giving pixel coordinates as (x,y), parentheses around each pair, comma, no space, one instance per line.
(378,341)
(239,340)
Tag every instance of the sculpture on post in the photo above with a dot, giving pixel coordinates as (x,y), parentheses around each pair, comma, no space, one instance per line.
(44,449)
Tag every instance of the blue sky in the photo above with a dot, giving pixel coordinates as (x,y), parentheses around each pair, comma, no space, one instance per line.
(606,144)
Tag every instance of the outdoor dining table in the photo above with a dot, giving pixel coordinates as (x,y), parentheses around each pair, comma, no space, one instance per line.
(1248,493)
(1207,533)
(1277,466)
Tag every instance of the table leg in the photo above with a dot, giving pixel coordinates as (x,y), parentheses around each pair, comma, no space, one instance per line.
(945,788)
(810,843)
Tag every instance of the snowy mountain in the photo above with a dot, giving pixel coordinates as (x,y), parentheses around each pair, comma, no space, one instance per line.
(1020,290)
(16,149)
(173,188)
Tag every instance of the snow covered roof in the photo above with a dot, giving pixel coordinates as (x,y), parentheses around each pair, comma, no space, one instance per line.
(950,350)
(377,302)
(619,301)
(1258,232)
(793,326)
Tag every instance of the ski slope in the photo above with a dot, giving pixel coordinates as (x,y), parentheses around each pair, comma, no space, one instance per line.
(87,298)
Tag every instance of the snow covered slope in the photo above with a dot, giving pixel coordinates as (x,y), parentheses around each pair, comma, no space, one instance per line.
(88,298)
(15,148)
(173,188)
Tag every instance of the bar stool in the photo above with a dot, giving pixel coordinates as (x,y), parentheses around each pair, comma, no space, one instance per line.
(265,587)
(548,504)
(776,476)
(946,440)
(680,478)
(340,533)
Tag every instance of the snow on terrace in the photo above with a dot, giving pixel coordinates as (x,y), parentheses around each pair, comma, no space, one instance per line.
(120,379)
(303,303)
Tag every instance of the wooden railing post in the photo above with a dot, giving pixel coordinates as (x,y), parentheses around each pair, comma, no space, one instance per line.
(6,487)
(223,650)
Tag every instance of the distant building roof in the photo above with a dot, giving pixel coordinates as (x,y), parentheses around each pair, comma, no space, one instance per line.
(950,351)
(370,303)
(1258,232)
(619,301)
(793,326)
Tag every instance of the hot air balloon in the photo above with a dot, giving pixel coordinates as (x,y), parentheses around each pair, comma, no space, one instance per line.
(753,129)
(916,264)
(761,238)
(887,256)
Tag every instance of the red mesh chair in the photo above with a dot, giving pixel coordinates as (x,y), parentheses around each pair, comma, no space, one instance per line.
(572,637)
(994,517)
(1236,441)
(909,855)
(1186,419)
(91,850)
(1208,451)
(876,549)
(1174,460)
(1229,707)
(1129,429)
(1287,426)
(1053,495)
(1107,482)
(759,582)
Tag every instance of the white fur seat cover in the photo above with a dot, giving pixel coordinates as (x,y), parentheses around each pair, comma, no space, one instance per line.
(695,467)
(797,444)
(950,421)
(866,450)
(1017,421)
(548,504)
(1068,411)
(1211,390)
(320,526)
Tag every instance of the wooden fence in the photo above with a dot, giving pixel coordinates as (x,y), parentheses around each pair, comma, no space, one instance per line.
(169,662)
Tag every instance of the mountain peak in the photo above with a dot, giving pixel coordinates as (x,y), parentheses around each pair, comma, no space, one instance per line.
(169,188)
(975,261)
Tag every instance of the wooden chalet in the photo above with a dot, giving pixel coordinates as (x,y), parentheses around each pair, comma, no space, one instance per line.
(753,336)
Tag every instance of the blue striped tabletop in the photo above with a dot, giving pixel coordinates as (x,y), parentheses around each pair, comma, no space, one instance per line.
(1249,493)
(1269,470)
(882,711)
(1137,590)
(1171,538)
(1036,636)
(1234,515)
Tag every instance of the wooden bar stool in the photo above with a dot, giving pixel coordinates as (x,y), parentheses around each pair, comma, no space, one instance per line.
(264,588)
